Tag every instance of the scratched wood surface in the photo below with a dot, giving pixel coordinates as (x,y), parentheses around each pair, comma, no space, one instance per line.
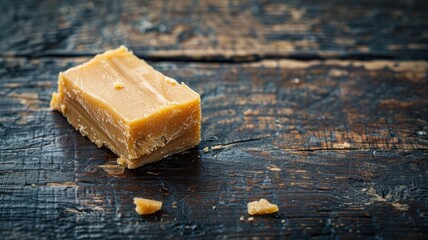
(340,143)
(218,29)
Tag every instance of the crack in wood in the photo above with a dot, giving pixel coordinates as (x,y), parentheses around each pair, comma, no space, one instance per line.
(348,149)
(242,58)
(229,144)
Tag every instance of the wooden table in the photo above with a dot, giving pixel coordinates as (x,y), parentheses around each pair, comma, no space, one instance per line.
(318,106)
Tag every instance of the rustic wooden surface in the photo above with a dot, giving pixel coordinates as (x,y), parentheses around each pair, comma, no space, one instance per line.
(320,107)
(218,29)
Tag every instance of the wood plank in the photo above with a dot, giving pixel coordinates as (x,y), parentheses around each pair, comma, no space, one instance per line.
(350,138)
(297,105)
(218,30)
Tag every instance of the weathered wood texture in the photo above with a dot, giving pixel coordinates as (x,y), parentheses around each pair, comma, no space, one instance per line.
(350,139)
(340,145)
(218,30)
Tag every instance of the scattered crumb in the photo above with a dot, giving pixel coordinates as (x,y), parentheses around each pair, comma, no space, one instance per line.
(33,185)
(146,206)
(250,219)
(206,149)
(214,207)
(283,221)
(261,207)
(121,161)
(274,168)
(174,204)
(295,81)
(118,85)
(242,219)
(342,145)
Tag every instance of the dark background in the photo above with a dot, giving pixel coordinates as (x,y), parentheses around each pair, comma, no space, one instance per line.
(333,93)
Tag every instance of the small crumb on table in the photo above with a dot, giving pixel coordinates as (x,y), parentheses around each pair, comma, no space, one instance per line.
(274,168)
(118,85)
(120,161)
(206,149)
(261,207)
(146,206)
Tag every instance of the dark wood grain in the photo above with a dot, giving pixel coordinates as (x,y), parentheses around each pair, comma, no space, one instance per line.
(350,138)
(218,30)
(332,93)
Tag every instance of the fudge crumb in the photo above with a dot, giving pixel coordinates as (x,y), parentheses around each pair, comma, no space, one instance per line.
(146,206)
(206,149)
(295,80)
(261,207)
(274,168)
(121,161)
(118,85)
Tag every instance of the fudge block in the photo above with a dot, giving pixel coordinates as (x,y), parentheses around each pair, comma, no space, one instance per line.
(119,101)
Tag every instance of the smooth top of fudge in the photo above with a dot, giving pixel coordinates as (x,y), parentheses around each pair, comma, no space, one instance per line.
(128,85)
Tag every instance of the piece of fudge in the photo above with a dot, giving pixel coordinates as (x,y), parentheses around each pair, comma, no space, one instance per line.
(261,207)
(119,101)
(146,206)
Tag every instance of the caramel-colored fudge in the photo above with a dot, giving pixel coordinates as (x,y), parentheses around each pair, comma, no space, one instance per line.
(146,206)
(261,207)
(119,101)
